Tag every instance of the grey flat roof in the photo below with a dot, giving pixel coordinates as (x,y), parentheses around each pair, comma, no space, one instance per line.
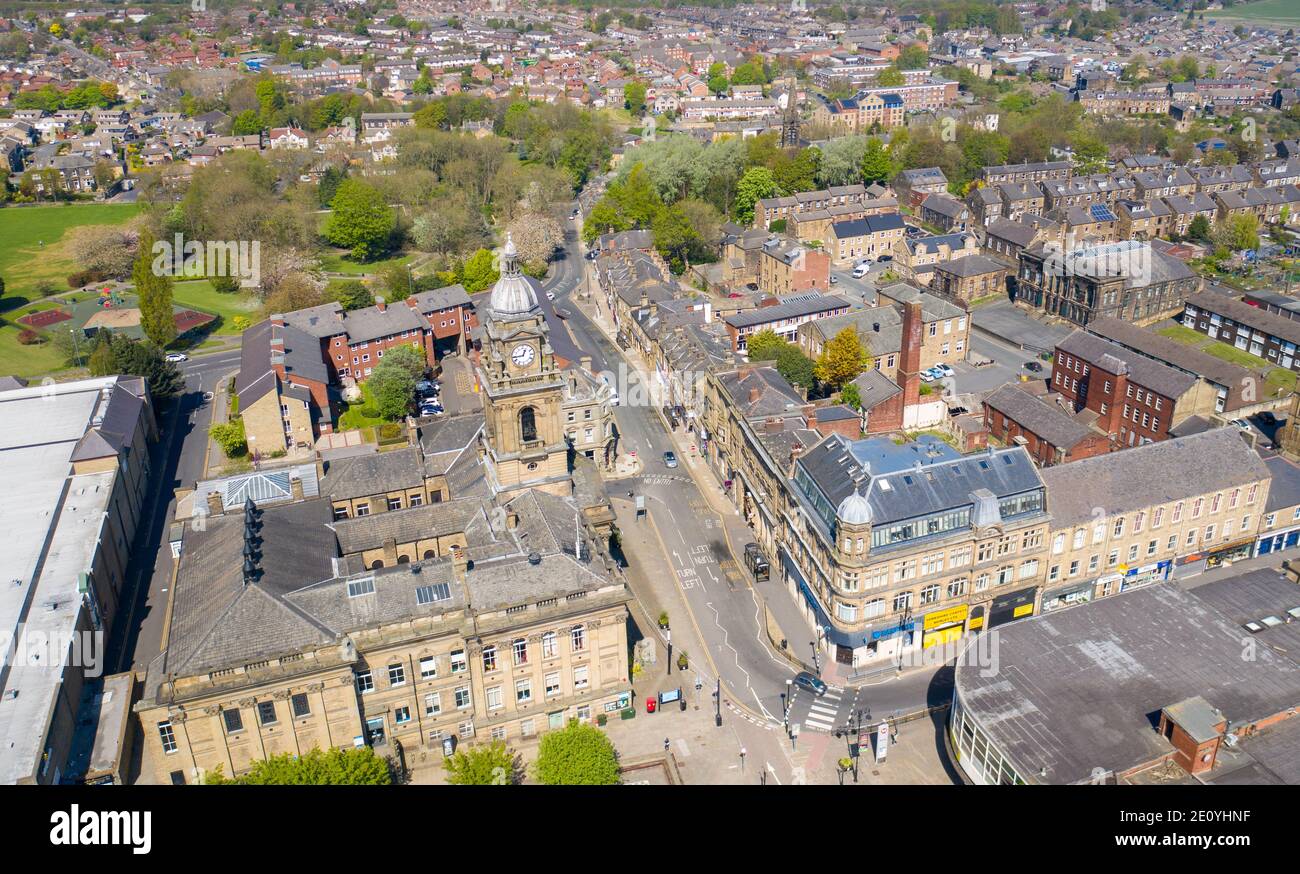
(1082,688)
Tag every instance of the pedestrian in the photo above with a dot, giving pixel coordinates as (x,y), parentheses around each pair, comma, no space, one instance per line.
(629,495)
(665,745)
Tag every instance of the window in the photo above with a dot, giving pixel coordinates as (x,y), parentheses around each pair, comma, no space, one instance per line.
(550,645)
(428,667)
(394,503)
(552,684)
(1133,552)
(959,557)
(1191,537)
(902,601)
(396,675)
(957,587)
(1245,523)
(523,691)
(1058,544)
(1178,512)
(430,594)
(1113,558)
(466,729)
(1157,517)
(845,612)
(266,712)
(1215,502)
(300,705)
(462,697)
(932,564)
(930,594)
(364,586)
(1028,568)
(1209,532)
(365,682)
(1074,567)
(1119,527)
(432,704)
(234,722)
(458,662)
(168,737)
(498,732)
(1196,507)
(1078,538)
(401,715)
(489,658)
(578,638)
(580,677)
(494,698)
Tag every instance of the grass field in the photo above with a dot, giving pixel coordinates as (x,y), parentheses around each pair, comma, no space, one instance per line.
(1275,376)
(336,261)
(31,244)
(1280,12)
(198,294)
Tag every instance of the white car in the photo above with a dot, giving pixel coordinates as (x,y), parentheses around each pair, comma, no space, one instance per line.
(945,370)
(550,295)
(861,270)
(177,357)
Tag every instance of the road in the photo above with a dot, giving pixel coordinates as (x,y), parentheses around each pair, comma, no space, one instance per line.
(724,604)
(178,461)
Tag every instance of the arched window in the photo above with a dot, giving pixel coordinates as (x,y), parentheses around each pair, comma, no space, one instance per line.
(403,559)
(527,425)
(377,563)
(429,553)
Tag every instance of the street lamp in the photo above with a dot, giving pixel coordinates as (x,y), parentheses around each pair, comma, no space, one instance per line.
(785,698)
(742,760)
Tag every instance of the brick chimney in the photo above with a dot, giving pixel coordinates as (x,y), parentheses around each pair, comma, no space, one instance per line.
(380,304)
(754,395)
(909,368)
(215,505)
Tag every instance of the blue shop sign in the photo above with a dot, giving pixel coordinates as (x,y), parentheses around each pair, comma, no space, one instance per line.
(883,633)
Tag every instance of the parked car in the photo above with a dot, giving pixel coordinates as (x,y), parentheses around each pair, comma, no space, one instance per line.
(670,459)
(1242,424)
(550,295)
(1033,367)
(813,684)
(427,387)
(944,370)
(884,259)
(177,357)
(861,270)
(934,373)
(834,279)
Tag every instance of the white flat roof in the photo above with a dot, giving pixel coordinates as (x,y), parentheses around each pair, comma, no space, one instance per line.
(50,522)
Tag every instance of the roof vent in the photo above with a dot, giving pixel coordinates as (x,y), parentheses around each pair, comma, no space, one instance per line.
(534,558)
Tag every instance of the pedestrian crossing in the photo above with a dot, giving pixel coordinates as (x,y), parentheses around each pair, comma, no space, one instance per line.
(825,713)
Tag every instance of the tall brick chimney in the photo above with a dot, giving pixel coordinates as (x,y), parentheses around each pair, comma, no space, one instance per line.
(909,368)
(380,304)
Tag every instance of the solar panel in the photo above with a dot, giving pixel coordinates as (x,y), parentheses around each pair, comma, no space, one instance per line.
(1101,213)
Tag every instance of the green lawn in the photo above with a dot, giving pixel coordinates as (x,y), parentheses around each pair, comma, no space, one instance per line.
(1279,377)
(19,360)
(198,294)
(1284,12)
(337,261)
(363,414)
(31,244)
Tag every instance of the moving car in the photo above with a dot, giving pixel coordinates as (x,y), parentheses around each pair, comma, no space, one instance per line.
(861,270)
(550,295)
(670,459)
(177,357)
(813,684)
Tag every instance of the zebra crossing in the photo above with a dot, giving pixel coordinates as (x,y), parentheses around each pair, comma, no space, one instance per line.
(824,713)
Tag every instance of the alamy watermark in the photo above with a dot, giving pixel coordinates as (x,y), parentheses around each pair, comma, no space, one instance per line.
(37,649)
(180,258)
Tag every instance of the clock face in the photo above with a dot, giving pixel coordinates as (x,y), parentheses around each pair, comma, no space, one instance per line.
(523,355)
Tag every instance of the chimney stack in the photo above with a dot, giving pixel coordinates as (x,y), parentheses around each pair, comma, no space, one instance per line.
(215,505)
(754,395)
(380,304)
(910,365)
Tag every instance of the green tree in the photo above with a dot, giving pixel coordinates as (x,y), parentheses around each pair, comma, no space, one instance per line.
(102,360)
(493,764)
(577,755)
(634,97)
(478,273)
(361,220)
(393,388)
(842,359)
(913,57)
(891,77)
(850,396)
(1199,229)
(719,84)
(231,438)
(674,236)
(153,288)
(876,164)
(354,766)
(246,124)
(756,184)
(354,295)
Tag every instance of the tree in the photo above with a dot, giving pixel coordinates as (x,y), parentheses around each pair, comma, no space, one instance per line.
(891,77)
(842,359)
(142,358)
(479,272)
(407,358)
(577,755)
(841,161)
(673,236)
(634,97)
(103,249)
(393,388)
(231,438)
(719,84)
(354,766)
(756,184)
(1199,229)
(492,765)
(354,295)
(102,360)
(764,345)
(361,221)
(913,57)
(1238,232)
(536,237)
(850,396)
(876,164)
(153,289)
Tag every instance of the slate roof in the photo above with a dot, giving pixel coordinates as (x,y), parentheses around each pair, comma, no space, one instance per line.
(373,474)
(1041,417)
(1143,371)
(1245,314)
(442,298)
(372,323)
(1169,351)
(971,265)
(1079,688)
(405,526)
(1145,476)
(1284,488)
(805,306)
(874,388)
(775,395)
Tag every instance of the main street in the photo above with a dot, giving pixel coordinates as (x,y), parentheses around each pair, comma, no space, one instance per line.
(700,544)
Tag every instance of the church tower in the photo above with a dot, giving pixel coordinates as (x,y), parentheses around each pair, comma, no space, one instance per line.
(524,445)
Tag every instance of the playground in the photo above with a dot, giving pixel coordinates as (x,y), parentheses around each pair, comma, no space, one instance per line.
(107,308)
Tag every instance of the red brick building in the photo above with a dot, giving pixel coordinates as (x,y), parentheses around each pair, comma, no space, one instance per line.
(1048,433)
(1135,398)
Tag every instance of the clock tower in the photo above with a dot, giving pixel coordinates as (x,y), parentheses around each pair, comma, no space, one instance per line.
(524,445)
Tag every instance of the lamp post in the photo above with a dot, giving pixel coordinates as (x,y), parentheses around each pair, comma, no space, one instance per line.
(785,699)
(717,703)
(817,664)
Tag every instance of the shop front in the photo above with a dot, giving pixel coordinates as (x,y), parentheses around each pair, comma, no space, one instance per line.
(1276,541)
(1068,596)
(1011,606)
(1225,553)
(943,626)
(1136,577)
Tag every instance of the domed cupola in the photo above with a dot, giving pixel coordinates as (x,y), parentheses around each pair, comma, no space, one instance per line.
(854,510)
(513,295)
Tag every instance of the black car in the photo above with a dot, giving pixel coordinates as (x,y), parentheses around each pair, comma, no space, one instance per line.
(1033,367)
(813,684)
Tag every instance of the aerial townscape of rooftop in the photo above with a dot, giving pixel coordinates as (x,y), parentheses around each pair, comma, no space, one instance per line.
(826,392)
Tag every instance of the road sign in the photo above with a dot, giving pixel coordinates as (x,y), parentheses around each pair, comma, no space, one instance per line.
(882,741)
